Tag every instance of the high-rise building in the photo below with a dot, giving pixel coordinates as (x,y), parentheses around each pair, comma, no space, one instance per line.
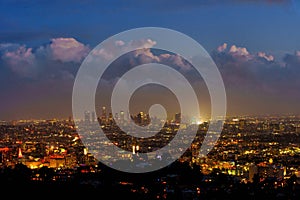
(177,118)
(140,118)
(117,118)
(103,114)
(252,171)
(297,127)
(93,117)
(122,116)
(110,117)
(87,117)
(242,124)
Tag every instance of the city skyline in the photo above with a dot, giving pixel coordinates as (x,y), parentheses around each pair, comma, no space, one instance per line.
(150,100)
(255,45)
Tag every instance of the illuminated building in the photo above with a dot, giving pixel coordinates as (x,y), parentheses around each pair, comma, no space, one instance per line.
(87,117)
(4,152)
(252,171)
(103,114)
(93,117)
(122,116)
(177,118)
(20,155)
(57,161)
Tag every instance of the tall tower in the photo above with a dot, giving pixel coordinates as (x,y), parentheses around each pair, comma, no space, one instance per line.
(122,116)
(103,114)
(177,118)
(140,118)
(87,117)
(110,118)
(252,171)
(20,156)
(93,117)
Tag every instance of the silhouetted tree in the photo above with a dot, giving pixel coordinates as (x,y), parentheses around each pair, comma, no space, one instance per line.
(46,173)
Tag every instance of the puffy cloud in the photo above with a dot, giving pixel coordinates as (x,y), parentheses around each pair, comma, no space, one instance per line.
(21,60)
(143,53)
(243,69)
(222,47)
(263,55)
(145,56)
(68,50)
(103,53)
(144,43)
(239,52)
(175,60)
(113,48)
(119,43)
(260,75)
(57,60)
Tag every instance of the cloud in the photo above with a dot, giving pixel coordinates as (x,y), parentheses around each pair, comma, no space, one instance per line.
(144,53)
(263,55)
(292,61)
(238,51)
(242,69)
(112,48)
(222,47)
(142,56)
(21,60)
(259,80)
(239,54)
(68,50)
(176,61)
(259,73)
(258,76)
(58,59)
(144,43)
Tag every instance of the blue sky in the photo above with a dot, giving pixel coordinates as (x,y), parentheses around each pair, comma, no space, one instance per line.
(258,25)
(259,63)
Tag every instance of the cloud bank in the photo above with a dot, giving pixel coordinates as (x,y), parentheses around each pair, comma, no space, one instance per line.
(257,79)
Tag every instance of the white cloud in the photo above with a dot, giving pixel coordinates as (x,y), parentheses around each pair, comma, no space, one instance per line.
(175,60)
(265,56)
(112,48)
(240,54)
(44,61)
(68,50)
(239,51)
(144,43)
(119,43)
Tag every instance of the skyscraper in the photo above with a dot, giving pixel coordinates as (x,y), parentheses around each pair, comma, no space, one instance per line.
(177,118)
(87,117)
(103,114)
(93,117)
(252,171)
(122,116)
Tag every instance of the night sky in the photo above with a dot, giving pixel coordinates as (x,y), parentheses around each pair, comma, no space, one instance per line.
(255,44)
